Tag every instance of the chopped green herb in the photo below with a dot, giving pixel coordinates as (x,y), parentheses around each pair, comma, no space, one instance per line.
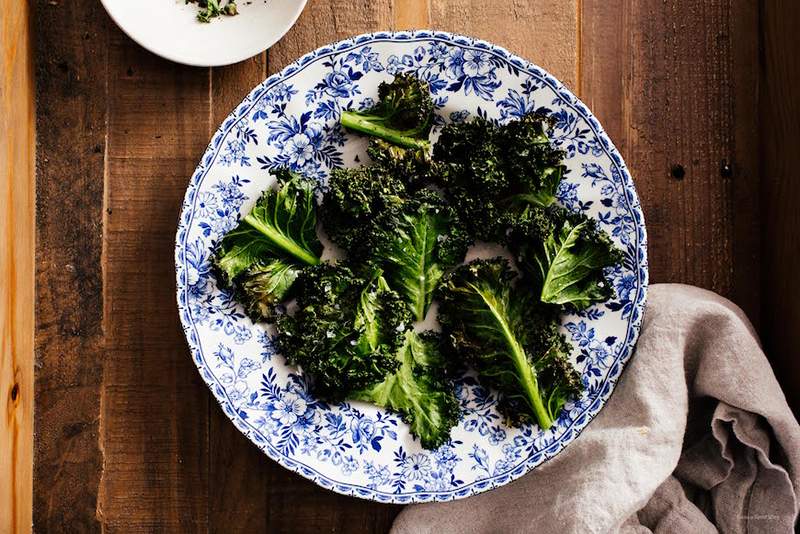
(210,9)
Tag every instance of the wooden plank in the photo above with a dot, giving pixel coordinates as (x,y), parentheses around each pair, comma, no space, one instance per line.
(238,470)
(71,53)
(17,205)
(325,21)
(674,84)
(294,504)
(154,417)
(544,32)
(603,53)
(779,133)
(744,167)
(411,14)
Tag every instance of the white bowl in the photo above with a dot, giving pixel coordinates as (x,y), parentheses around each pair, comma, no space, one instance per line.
(170,29)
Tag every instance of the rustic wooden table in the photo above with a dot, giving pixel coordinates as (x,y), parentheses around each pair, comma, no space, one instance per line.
(697,95)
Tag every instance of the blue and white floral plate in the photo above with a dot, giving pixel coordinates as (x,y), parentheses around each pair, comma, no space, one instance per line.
(292,119)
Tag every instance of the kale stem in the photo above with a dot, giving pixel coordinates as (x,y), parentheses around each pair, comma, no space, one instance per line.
(531,386)
(355,122)
(520,361)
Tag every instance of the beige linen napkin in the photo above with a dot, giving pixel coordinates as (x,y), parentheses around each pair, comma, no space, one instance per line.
(696,438)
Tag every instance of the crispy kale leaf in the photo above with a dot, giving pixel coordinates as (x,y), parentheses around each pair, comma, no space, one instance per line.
(510,338)
(403,115)
(491,173)
(415,242)
(352,334)
(566,255)
(354,199)
(414,236)
(280,225)
(264,285)
(419,390)
(412,166)
(346,329)
(531,162)
(357,196)
(467,157)
(262,256)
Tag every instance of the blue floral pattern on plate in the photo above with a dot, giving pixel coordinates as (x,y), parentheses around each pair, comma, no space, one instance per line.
(291,119)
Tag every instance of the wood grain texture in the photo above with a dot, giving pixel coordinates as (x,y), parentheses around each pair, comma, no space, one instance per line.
(411,14)
(743,40)
(128,439)
(780,138)
(238,471)
(325,21)
(17,204)
(674,84)
(542,31)
(71,58)
(154,417)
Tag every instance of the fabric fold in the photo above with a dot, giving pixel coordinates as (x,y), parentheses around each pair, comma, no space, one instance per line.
(697,437)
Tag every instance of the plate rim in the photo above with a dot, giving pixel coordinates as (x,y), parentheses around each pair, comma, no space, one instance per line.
(241,111)
(185,60)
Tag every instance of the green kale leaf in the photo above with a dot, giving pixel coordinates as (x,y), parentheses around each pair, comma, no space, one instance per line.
(261,257)
(415,242)
(346,329)
(280,225)
(355,197)
(510,338)
(403,115)
(566,258)
(264,285)
(412,166)
(418,390)
(491,173)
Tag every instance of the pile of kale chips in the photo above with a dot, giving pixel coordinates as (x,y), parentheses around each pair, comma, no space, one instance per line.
(405,223)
